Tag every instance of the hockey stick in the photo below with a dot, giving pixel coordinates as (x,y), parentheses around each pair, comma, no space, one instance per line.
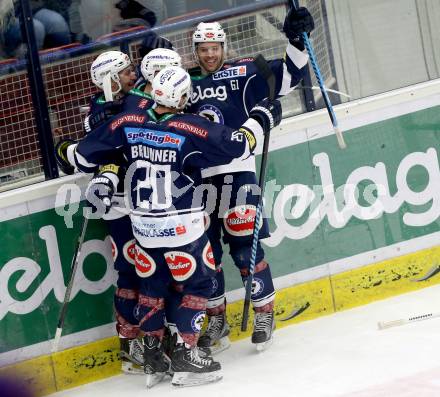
(73,267)
(296,312)
(266,72)
(431,273)
(395,323)
(318,75)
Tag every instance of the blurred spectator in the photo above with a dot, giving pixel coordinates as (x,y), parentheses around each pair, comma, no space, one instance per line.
(152,41)
(50,27)
(132,9)
(175,8)
(95,18)
(215,5)
(157,6)
(133,13)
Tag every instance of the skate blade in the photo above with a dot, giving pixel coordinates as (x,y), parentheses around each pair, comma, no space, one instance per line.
(186,379)
(261,347)
(153,379)
(220,345)
(131,368)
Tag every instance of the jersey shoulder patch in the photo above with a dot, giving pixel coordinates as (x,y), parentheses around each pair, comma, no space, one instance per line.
(244,60)
(230,72)
(139,92)
(190,125)
(127,118)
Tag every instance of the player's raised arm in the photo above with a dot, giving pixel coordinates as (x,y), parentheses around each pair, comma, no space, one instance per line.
(293,67)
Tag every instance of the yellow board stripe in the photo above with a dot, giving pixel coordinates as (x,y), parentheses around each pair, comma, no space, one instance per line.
(385,279)
(98,360)
(84,364)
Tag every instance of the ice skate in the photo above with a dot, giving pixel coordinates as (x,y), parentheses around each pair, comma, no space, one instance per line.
(264,324)
(131,355)
(169,342)
(216,335)
(156,363)
(192,370)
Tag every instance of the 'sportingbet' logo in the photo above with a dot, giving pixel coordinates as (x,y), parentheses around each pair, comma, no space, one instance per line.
(154,138)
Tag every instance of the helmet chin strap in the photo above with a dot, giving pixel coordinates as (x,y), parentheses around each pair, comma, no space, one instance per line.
(107,87)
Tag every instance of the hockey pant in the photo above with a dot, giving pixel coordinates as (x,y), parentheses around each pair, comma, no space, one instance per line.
(128,283)
(188,269)
(236,199)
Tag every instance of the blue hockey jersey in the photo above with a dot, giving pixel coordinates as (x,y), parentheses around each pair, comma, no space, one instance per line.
(227,96)
(136,98)
(164,156)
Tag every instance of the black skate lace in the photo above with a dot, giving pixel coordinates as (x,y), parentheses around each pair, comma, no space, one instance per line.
(195,358)
(215,325)
(263,321)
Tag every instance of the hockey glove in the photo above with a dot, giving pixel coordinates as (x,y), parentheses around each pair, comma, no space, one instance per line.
(267,113)
(297,22)
(61,156)
(152,41)
(109,110)
(101,188)
(132,9)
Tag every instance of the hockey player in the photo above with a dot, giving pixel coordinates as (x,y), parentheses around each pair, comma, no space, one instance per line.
(225,93)
(114,73)
(126,93)
(165,150)
(153,62)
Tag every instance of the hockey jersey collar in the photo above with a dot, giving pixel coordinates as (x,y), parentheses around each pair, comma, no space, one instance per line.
(154,117)
(134,91)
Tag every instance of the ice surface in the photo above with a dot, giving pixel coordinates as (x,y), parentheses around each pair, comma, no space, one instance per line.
(340,355)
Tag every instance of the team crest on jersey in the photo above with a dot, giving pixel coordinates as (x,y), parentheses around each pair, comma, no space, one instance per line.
(129,251)
(257,287)
(236,71)
(181,264)
(197,322)
(208,256)
(212,113)
(239,221)
(145,264)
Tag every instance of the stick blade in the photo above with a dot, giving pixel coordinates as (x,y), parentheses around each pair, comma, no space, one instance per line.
(340,138)
(296,312)
(56,340)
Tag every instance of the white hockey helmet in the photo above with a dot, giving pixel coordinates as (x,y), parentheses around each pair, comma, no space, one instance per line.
(158,59)
(170,85)
(105,68)
(209,32)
